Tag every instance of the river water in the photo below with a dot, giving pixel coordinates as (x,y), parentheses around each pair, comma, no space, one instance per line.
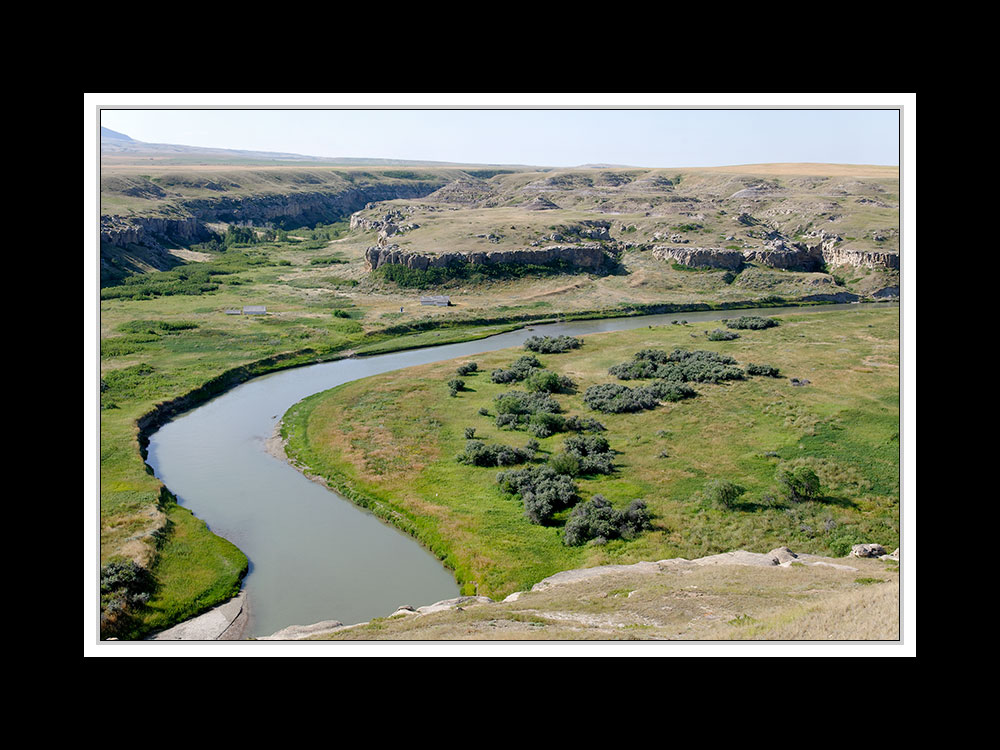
(313,554)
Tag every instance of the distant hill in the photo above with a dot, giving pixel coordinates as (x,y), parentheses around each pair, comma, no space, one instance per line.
(118,148)
(112,135)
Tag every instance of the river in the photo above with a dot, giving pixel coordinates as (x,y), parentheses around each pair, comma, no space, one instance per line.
(313,554)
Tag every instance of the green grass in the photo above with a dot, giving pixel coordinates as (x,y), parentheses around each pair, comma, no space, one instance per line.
(390,442)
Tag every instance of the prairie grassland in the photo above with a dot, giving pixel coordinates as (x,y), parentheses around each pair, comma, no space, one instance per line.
(392,440)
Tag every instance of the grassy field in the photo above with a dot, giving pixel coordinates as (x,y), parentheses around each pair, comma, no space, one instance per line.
(391,441)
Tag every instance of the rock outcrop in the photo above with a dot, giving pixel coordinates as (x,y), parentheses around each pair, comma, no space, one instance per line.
(845,256)
(122,231)
(701,257)
(797,257)
(587,256)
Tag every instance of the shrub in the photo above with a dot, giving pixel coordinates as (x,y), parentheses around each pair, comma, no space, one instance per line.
(565,463)
(541,489)
(470,433)
(543,424)
(679,365)
(552,344)
(751,322)
(765,370)
(669,390)
(549,382)
(125,587)
(719,335)
(597,519)
(455,385)
(612,398)
(797,484)
(592,452)
(521,403)
(477,453)
(723,494)
(520,369)
(467,369)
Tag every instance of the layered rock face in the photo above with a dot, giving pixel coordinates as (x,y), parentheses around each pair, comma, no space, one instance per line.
(701,257)
(121,231)
(789,257)
(797,257)
(843,256)
(590,257)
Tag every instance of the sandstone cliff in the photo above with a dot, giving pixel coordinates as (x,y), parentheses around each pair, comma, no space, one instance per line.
(588,256)
(308,208)
(701,257)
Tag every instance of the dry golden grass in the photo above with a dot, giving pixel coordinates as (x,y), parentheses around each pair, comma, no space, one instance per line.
(808,169)
(681,601)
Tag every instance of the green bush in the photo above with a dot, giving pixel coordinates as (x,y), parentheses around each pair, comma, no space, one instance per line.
(541,490)
(752,322)
(593,453)
(719,335)
(598,520)
(552,344)
(477,453)
(764,370)
(520,369)
(565,463)
(797,484)
(697,366)
(723,494)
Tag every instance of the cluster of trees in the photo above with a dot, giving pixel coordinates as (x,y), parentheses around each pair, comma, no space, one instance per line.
(751,322)
(681,365)
(519,370)
(535,377)
(478,453)
(552,344)
(612,398)
(598,520)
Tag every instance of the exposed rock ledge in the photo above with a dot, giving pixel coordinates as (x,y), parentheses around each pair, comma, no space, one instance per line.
(790,257)
(226,622)
(701,257)
(778,558)
(591,256)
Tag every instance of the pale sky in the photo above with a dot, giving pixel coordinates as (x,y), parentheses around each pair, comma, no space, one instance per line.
(543,137)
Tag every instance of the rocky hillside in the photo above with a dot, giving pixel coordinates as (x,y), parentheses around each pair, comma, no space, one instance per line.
(778,595)
(430,217)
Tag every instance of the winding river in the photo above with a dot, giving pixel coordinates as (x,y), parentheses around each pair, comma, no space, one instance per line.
(313,554)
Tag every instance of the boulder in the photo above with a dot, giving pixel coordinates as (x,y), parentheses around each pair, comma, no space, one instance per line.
(867,550)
